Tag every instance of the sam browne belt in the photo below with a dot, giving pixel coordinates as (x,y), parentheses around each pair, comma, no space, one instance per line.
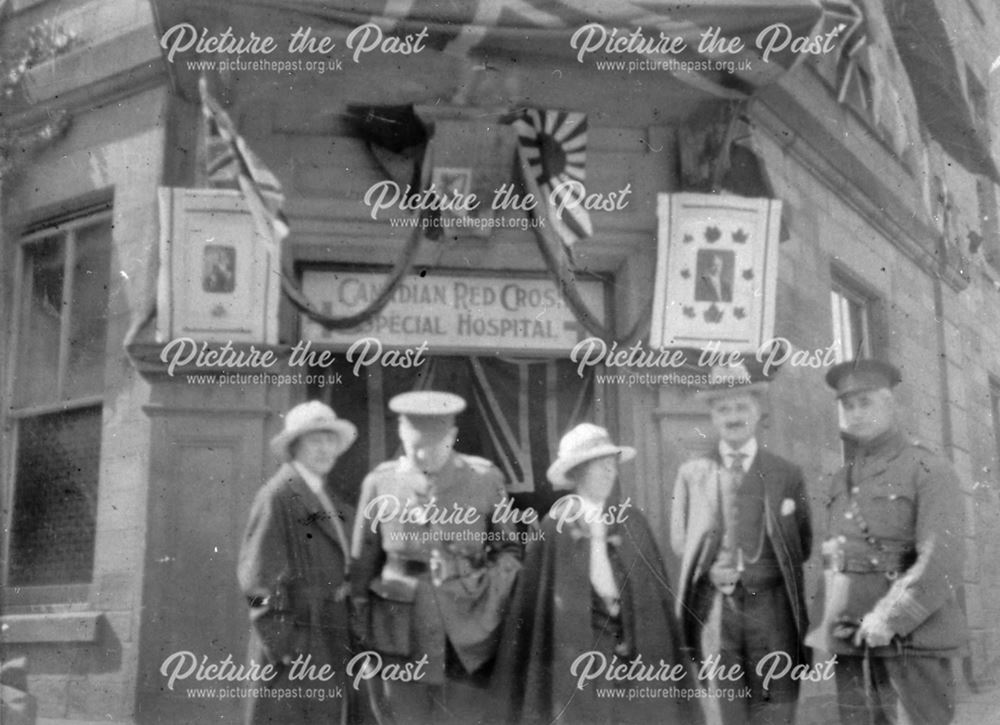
(885,562)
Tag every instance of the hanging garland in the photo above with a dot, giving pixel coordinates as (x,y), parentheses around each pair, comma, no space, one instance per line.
(558,265)
(346,322)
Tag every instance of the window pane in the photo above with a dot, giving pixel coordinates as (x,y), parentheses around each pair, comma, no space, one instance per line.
(838,328)
(850,324)
(38,340)
(859,327)
(55,504)
(89,311)
(850,342)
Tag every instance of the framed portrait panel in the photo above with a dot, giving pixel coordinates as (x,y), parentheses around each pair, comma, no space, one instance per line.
(716,271)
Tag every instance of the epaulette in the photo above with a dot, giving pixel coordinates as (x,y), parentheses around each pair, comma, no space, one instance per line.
(478,463)
(385,466)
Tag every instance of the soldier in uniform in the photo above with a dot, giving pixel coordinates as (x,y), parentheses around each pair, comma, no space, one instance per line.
(893,557)
(740,525)
(435,562)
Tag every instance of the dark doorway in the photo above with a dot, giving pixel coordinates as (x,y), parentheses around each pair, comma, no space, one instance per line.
(517,411)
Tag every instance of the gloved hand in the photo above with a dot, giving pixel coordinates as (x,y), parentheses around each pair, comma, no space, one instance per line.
(874,631)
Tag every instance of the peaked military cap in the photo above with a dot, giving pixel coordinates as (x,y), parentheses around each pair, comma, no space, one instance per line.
(854,376)
(427,405)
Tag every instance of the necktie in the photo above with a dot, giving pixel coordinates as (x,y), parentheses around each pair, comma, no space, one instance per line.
(730,481)
(736,459)
(602,578)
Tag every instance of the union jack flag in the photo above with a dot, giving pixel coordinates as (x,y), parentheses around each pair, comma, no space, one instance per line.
(230,159)
(553,146)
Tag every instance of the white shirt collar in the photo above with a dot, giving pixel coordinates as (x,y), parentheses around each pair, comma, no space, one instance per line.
(748,449)
(591,508)
(314,482)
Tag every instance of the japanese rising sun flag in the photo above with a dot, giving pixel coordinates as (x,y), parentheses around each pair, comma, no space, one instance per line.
(553,148)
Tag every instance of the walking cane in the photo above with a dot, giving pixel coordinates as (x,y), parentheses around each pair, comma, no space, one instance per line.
(866,674)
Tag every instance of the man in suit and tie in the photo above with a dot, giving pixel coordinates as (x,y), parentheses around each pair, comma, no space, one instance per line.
(714,283)
(740,525)
(293,569)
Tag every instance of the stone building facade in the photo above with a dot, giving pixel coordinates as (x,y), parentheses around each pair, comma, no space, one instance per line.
(125,488)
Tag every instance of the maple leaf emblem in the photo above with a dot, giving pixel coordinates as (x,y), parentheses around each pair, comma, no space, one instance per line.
(686,273)
(740,236)
(713,314)
(688,311)
(739,312)
(452,183)
(748,274)
(712,234)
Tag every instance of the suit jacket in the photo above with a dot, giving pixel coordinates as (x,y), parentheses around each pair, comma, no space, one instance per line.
(705,291)
(697,528)
(293,571)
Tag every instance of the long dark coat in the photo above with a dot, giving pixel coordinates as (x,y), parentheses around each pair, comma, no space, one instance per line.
(696,528)
(551,624)
(292,569)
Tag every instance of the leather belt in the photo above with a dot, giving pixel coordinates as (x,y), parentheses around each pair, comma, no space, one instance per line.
(445,565)
(413,567)
(883,562)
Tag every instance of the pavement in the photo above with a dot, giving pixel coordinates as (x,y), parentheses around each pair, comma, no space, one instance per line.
(817,704)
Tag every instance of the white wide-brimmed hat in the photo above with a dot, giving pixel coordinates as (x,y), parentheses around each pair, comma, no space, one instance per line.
(308,418)
(583,443)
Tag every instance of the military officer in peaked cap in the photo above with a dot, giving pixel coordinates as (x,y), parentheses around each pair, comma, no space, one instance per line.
(433,566)
(892,559)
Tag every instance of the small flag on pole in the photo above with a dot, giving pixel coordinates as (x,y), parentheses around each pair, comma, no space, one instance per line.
(553,145)
(231,158)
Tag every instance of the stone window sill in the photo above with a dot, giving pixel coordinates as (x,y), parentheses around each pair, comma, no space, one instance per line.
(41,627)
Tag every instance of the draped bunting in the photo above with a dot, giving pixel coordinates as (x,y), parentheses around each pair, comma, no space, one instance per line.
(231,157)
(520,409)
(928,54)
(506,28)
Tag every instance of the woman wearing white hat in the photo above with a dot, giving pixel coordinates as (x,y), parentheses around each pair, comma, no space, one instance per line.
(593,594)
(293,570)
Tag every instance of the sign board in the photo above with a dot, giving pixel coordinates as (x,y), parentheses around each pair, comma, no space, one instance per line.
(217,280)
(716,271)
(457,312)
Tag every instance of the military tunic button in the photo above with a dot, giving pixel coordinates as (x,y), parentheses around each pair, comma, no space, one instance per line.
(873,561)
(893,497)
(855,490)
(842,539)
(848,515)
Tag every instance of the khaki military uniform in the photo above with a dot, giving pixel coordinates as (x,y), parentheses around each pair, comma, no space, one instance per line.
(437,571)
(894,549)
